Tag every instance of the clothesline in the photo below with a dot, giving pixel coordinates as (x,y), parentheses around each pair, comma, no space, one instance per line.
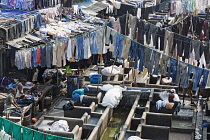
(157,51)
(143,57)
(171,32)
(66,39)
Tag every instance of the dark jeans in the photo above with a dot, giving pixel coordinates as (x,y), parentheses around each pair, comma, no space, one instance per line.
(161,35)
(173,67)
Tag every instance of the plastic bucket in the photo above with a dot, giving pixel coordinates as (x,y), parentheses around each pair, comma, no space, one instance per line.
(96,78)
(72,84)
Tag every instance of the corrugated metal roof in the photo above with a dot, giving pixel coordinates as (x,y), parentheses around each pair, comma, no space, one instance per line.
(97,7)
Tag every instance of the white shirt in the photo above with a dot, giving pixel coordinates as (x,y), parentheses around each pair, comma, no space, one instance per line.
(176,98)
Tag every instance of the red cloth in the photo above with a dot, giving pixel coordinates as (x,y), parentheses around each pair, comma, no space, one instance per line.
(38,56)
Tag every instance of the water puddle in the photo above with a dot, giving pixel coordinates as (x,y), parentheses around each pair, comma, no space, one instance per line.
(43,125)
(186,112)
(57,112)
(93,120)
(180,136)
(100,110)
(60,105)
(181,123)
(117,121)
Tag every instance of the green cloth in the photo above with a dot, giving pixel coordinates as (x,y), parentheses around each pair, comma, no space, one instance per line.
(38,135)
(16,130)
(50,137)
(27,134)
(1,123)
(7,126)
(68,69)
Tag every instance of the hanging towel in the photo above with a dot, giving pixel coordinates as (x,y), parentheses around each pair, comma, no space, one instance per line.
(117,4)
(16,130)
(38,135)
(7,126)
(50,137)
(27,134)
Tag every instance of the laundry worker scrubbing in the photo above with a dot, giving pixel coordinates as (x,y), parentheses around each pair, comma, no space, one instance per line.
(10,100)
(175,98)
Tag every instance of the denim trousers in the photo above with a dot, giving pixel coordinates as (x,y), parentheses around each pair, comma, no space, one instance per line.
(168,41)
(147,59)
(80,42)
(153,32)
(132,51)
(173,67)
(160,34)
(155,62)
(182,75)
(33,57)
(163,64)
(93,46)
(141,56)
(196,74)
(205,78)
(118,46)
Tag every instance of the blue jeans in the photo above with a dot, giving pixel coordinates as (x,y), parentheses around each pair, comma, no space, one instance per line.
(141,56)
(173,67)
(182,75)
(147,59)
(196,74)
(155,62)
(38,19)
(93,46)
(80,43)
(132,52)
(137,52)
(118,46)
(33,57)
(205,78)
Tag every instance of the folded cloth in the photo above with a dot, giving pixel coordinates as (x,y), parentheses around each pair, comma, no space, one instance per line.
(160,104)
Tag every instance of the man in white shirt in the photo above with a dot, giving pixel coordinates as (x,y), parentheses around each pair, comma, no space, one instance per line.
(176,100)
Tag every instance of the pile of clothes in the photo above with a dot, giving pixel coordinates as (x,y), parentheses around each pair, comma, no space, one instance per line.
(26,99)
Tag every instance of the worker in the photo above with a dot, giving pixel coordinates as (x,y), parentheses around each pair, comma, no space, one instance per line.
(177,103)
(33,121)
(10,100)
(20,88)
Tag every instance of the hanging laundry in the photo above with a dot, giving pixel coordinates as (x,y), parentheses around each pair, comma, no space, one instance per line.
(118,46)
(172,68)
(126,48)
(168,41)
(182,75)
